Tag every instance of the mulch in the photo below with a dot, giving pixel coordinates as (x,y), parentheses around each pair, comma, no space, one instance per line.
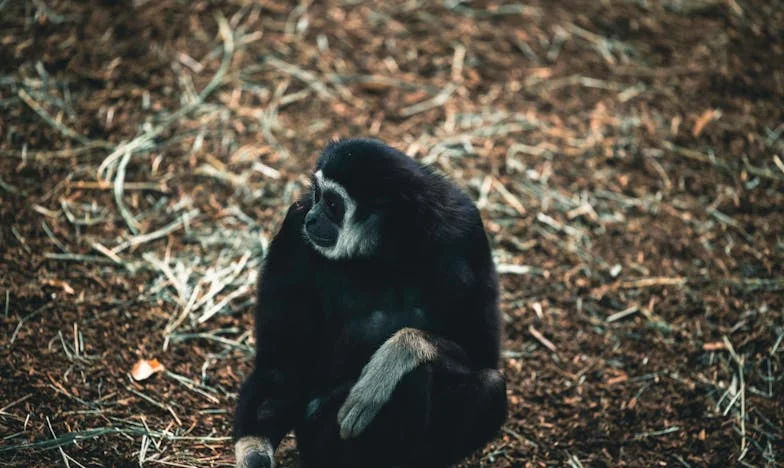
(627,156)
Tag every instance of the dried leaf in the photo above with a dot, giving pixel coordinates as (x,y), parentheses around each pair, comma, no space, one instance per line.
(143,369)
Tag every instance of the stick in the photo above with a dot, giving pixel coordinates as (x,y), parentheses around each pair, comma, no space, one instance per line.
(669,430)
(510,199)
(547,343)
(220,305)
(77,258)
(62,452)
(8,187)
(58,154)
(119,180)
(23,320)
(111,255)
(510,269)
(67,131)
(437,101)
(164,231)
(15,402)
(102,185)
(697,156)
(302,75)
(622,314)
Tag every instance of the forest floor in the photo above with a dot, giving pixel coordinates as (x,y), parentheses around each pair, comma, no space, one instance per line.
(627,156)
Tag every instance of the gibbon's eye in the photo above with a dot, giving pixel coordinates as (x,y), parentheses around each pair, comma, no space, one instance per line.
(334,207)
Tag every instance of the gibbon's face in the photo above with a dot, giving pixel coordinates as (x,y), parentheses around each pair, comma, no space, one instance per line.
(331,225)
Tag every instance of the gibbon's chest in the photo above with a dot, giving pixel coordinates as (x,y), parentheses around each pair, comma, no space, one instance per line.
(365,307)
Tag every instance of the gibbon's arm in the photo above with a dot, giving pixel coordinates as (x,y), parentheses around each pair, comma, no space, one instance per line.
(464,299)
(272,398)
(466,296)
(400,354)
(406,350)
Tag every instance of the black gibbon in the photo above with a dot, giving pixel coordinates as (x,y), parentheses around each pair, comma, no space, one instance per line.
(377,322)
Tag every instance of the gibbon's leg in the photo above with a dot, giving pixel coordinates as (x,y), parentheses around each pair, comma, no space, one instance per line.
(467,410)
(438,413)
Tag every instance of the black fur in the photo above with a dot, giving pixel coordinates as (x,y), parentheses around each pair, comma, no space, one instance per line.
(319,321)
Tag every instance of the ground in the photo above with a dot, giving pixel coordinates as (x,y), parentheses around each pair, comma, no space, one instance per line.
(627,157)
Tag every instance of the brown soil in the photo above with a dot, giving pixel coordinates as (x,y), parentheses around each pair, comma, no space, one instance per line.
(627,157)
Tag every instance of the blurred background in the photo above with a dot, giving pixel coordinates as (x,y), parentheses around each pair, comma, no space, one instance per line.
(626,156)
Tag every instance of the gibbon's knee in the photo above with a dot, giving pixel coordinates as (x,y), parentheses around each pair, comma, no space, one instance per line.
(403,352)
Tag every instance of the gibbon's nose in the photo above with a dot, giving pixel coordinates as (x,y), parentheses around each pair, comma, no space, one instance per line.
(310,220)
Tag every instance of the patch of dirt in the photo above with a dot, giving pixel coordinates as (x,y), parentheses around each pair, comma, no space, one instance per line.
(627,158)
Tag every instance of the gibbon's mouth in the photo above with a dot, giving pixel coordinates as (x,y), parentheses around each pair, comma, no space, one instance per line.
(321,241)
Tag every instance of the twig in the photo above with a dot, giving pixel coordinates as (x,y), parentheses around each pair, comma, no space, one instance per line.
(102,185)
(379,82)
(21,239)
(669,430)
(622,314)
(437,101)
(72,437)
(512,9)
(547,343)
(575,80)
(179,286)
(266,170)
(223,278)
(15,402)
(233,179)
(778,163)
(220,305)
(772,349)
(23,320)
(147,398)
(172,325)
(179,337)
(302,75)
(724,219)
(57,154)
(510,269)
(574,462)
(557,225)
(510,199)
(77,258)
(741,393)
(8,187)
(52,237)
(651,282)
(119,180)
(697,156)
(457,63)
(67,131)
(104,250)
(191,386)
(72,218)
(164,231)
(62,452)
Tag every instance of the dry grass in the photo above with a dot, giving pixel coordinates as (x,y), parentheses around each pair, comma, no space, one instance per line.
(627,158)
